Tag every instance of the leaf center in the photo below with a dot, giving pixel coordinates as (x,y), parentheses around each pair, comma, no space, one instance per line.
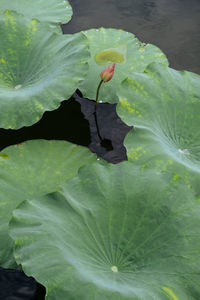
(114,269)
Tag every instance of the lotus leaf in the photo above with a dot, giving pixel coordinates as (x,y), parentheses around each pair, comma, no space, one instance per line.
(166,102)
(32,169)
(143,149)
(108,46)
(38,69)
(51,11)
(113,232)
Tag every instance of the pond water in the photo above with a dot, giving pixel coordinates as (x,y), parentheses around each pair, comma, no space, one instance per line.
(172,25)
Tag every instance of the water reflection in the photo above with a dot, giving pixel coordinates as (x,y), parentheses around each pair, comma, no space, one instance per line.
(172,25)
(128,8)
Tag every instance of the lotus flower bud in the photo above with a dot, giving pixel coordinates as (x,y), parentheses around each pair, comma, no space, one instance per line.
(108,73)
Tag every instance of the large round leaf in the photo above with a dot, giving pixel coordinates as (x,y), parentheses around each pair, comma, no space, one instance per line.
(108,46)
(38,69)
(51,11)
(114,232)
(167,103)
(29,170)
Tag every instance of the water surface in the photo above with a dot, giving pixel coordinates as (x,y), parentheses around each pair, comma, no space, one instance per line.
(172,25)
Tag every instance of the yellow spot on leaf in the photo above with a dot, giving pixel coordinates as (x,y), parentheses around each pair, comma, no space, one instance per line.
(130,82)
(170,293)
(37,118)
(10,20)
(126,105)
(39,106)
(176,177)
(27,42)
(109,56)
(7,13)
(136,153)
(2,60)
(130,108)
(3,155)
(136,85)
(34,25)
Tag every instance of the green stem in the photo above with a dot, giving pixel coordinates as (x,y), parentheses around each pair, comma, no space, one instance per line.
(97,94)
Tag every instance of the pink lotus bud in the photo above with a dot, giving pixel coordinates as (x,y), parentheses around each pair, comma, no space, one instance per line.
(108,73)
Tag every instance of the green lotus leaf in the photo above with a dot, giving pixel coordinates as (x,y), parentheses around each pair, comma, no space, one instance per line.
(38,69)
(144,150)
(29,170)
(167,103)
(113,232)
(51,11)
(108,46)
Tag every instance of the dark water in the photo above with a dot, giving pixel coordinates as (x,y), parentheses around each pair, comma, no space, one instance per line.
(15,285)
(172,25)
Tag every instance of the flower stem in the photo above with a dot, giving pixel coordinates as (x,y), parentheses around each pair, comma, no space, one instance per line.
(97,94)
(97,126)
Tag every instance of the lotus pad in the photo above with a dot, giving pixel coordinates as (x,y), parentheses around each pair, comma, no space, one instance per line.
(143,149)
(38,69)
(30,170)
(51,11)
(108,46)
(167,103)
(113,232)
